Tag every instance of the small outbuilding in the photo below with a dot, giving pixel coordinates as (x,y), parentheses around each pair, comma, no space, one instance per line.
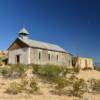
(83,63)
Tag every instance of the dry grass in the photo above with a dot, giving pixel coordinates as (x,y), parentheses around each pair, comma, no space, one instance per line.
(46,88)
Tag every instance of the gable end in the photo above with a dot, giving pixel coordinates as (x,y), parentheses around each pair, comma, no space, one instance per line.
(17,44)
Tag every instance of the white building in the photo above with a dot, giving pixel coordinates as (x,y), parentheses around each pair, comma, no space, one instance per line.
(83,62)
(27,51)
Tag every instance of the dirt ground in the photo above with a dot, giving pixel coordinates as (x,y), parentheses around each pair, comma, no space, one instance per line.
(45,89)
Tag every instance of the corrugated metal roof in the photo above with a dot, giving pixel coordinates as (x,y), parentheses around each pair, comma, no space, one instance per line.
(44,45)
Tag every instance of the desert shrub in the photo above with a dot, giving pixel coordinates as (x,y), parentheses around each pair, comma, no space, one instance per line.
(70,86)
(78,87)
(95,85)
(6,72)
(14,70)
(67,71)
(14,88)
(33,85)
(35,68)
(61,83)
(28,86)
(87,68)
(50,71)
(73,78)
(19,67)
(76,69)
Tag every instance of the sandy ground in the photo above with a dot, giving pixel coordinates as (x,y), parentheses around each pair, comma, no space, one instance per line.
(45,89)
(89,74)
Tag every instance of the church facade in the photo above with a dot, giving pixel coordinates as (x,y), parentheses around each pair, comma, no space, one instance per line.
(27,51)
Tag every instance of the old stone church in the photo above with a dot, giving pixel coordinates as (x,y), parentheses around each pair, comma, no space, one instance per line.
(27,51)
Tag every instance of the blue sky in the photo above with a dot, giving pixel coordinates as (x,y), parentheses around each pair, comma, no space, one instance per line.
(72,24)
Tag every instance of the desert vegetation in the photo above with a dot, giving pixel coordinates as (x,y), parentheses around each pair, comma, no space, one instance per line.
(28,86)
(14,70)
(64,81)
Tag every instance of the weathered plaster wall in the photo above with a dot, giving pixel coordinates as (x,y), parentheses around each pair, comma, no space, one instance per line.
(63,59)
(31,56)
(85,62)
(24,55)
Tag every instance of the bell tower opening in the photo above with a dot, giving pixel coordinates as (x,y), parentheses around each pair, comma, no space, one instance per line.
(23,33)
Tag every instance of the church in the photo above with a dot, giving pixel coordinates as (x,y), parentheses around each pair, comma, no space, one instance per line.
(27,51)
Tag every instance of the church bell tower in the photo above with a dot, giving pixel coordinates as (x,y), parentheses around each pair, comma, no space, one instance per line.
(23,33)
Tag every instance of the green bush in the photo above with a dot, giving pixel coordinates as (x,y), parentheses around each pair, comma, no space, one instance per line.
(14,70)
(35,68)
(50,71)
(6,72)
(19,67)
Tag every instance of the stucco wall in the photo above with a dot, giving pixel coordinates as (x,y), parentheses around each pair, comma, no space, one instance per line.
(24,56)
(64,59)
(85,62)
(31,56)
